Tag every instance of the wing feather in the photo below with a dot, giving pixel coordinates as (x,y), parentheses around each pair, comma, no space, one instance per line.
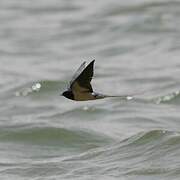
(76,74)
(84,79)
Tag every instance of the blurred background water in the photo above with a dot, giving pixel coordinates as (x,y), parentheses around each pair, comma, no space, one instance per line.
(136,45)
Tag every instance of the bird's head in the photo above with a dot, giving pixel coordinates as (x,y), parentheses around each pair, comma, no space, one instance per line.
(68,94)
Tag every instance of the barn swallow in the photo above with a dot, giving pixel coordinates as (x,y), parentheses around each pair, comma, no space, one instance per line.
(80,88)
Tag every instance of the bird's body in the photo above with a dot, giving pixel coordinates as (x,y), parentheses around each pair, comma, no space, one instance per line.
(80,88)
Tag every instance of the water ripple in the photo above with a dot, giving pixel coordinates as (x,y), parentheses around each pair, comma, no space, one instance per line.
(169,98)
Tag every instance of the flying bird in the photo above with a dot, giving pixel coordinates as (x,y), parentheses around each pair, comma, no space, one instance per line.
(80,88)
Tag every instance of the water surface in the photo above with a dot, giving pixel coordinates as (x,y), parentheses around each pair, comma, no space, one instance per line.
(136,46)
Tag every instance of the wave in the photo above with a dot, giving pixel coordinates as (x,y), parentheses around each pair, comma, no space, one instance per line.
(142,154)
(52,136)
(145,153)
(173,97)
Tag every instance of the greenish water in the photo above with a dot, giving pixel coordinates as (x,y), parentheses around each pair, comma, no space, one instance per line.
(136,46)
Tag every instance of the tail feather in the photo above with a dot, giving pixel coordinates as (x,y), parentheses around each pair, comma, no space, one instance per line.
(128,97)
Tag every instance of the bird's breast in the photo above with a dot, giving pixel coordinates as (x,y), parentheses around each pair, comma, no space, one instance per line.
(83,96)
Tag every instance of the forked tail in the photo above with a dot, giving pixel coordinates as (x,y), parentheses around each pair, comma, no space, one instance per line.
(128,97)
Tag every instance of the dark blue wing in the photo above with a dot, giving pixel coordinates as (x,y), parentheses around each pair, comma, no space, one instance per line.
(84,79)
(77,73)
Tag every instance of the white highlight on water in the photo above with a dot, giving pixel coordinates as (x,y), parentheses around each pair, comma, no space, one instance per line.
(25,91)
